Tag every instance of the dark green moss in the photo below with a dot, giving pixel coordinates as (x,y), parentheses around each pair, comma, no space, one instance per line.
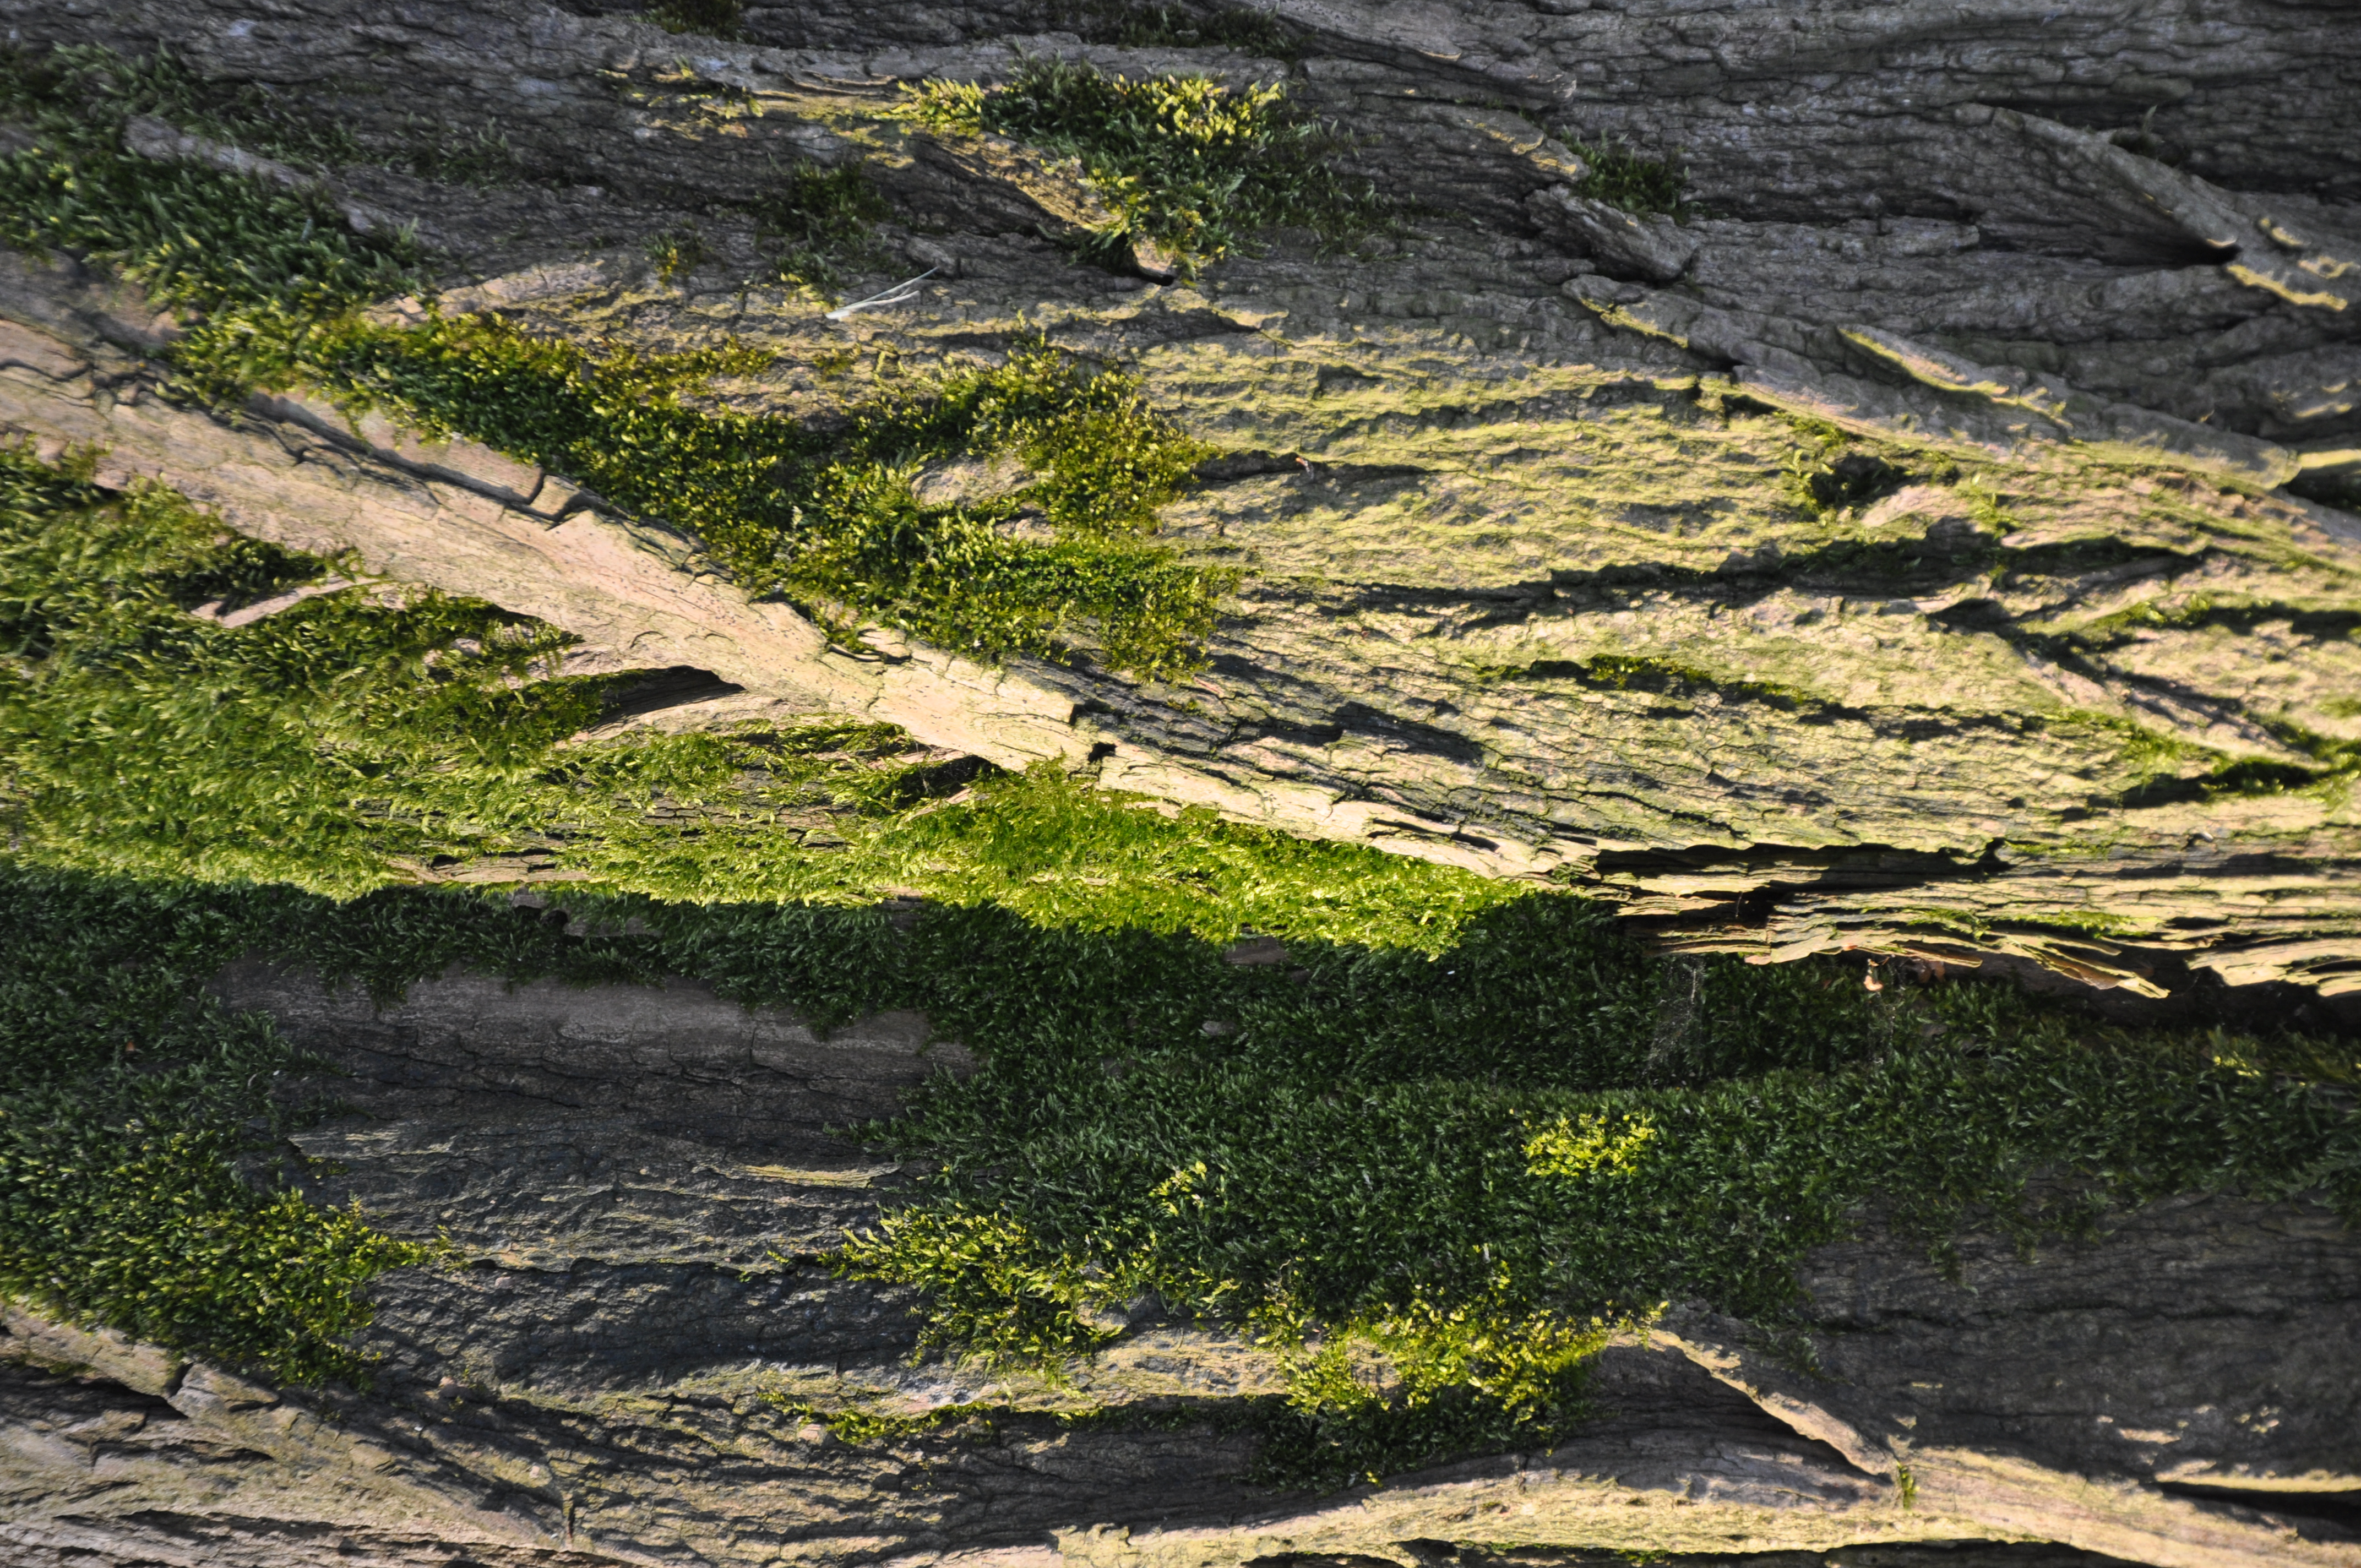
(816,219)
(84,94)
(1466,1161)
(1470,1162)
(132,1112)
(1623,178)
(712,18)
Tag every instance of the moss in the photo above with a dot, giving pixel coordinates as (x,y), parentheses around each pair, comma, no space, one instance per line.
(1412,1159)
(676,253)
(1185,163)
(1622,671)
(1648,673)
(267,269)
(852,1424)
(710,18)
(84,94)
(986,1420)
(817,218)
(2204,611)
(1421,1176)
(2160,766)
(1622,177)
(133,1113)
(833,523)
(1390,1157)
(273,278)
(1833,481)
(346,742)
(482,155)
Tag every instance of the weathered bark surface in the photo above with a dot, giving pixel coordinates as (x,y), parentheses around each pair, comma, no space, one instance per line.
(2085,276)
(635,1182)
(2098,264)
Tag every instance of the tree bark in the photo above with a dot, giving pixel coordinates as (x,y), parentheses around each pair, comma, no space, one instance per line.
(1525,588)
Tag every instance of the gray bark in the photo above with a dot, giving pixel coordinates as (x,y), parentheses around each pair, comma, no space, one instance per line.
(2100,261)
(2100,264)
(636,1182)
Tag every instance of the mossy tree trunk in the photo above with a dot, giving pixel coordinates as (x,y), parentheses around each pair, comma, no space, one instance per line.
(1933,541)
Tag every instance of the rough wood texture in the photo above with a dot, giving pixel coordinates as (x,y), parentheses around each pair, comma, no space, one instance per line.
(1529,589)
(635,1182)
(2085,279)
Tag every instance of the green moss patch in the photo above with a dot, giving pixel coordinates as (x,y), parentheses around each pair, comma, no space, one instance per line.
(134,1113)
(1431,1180)
(360,736)
(84,94)
(1186,163)
(1622,177)
(1433,1184)
(711,18)
(833,522)
(816,219)
(272,279)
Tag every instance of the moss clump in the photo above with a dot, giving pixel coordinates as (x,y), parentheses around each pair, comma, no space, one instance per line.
(1833,482)
(134,733)
(482,155)
(265,267)
(852,1424)
(711,18)
(816,219)
(129,1105)
(1186,163)
(1622,177)
(832,522)
(677,252)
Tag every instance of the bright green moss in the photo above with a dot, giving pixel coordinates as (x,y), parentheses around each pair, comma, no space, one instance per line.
(135,733)
(273,278)
(347,741)
(1462,1132)
(1185,163)
(1460,1167)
